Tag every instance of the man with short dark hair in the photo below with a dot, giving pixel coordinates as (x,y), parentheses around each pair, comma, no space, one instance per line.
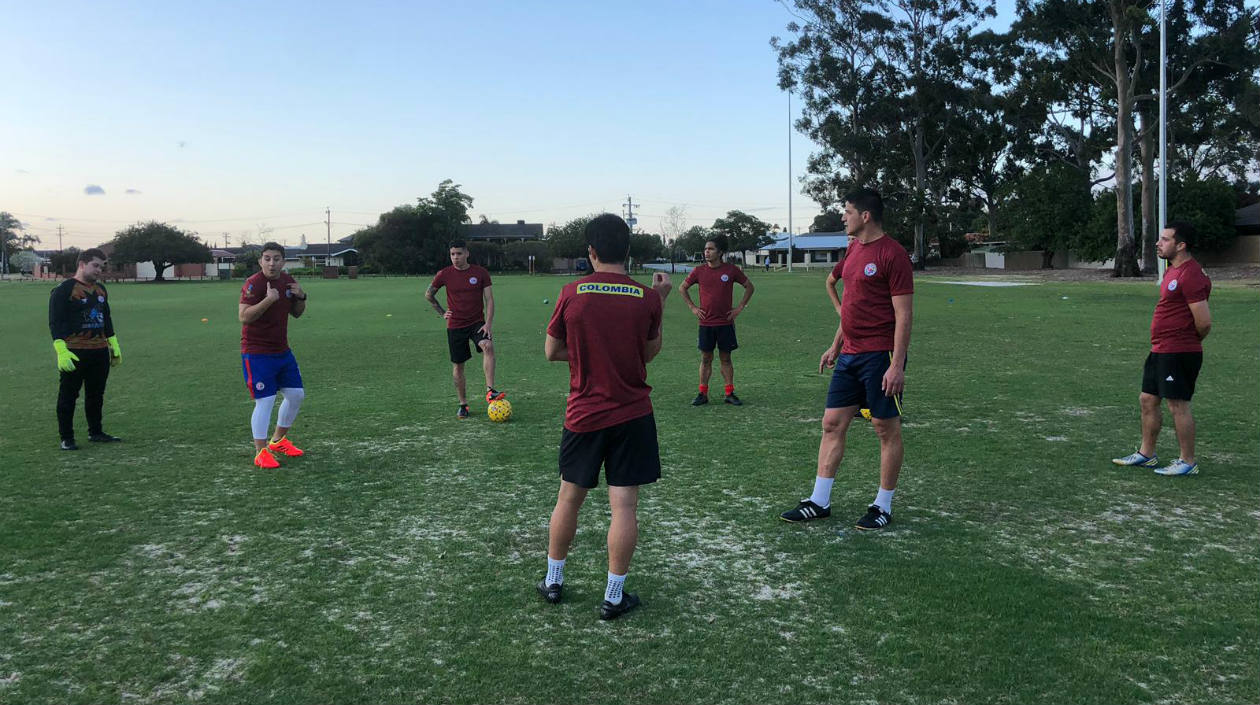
(268,299)
(467,292)
(717,280)
(607,327)
(83,338)
(1181,322)
(869,357)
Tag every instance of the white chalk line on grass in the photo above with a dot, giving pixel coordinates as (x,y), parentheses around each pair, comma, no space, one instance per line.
(999,283)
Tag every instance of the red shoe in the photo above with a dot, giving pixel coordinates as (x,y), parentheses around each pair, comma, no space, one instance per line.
(286,447)
(266,460)
(492,395)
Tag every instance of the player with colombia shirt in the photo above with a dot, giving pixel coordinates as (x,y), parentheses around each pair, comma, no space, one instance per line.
(268,298)
(607,327)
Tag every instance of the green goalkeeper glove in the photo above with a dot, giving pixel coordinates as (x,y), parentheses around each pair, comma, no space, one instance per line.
(65,358)
(115,352)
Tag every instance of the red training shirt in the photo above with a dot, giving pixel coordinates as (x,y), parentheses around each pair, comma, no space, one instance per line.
(872,274)
(605,321)
(270,333)
(1172,326)
(716,287)
(463,293)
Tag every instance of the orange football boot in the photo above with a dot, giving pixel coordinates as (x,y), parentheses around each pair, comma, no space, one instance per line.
(493,394)
(266,460)
(286,447)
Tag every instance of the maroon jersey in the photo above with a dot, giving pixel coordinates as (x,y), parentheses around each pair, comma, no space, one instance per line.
(872,274)
(1172,326)
(716,286)
(463,293)
(605,321)
(270,333)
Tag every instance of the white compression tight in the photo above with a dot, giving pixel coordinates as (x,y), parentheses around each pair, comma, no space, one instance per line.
(260,421)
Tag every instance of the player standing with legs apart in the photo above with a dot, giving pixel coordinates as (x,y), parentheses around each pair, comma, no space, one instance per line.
(607,327)
(268,298)
(717,281)
(467,291)
(1181,322)
(869,356)
(83,338)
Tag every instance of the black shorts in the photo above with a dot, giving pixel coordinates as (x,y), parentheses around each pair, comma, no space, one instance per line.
(720,337)
(1171,375)
(628,452)
(457,340)
(857,381)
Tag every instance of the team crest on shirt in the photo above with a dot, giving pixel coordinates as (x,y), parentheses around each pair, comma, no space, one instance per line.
(472,280)
(100,299)
(869,269)
(259,386)
(1172,285)
(726,277)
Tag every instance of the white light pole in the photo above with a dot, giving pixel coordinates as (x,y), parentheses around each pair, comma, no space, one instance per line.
(1161,265)
(789,227)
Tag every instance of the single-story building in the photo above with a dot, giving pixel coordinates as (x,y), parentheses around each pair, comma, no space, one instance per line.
(808,250)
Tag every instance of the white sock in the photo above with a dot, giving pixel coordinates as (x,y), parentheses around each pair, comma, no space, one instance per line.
(613,592)
(822,491)
(883,500)
(555,571)
(293,397)
(260,421)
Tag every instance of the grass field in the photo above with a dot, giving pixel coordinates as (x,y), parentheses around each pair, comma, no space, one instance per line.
(396,562)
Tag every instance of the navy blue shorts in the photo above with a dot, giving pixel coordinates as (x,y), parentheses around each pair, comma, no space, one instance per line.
(265,373)
(720,337)
(856,382)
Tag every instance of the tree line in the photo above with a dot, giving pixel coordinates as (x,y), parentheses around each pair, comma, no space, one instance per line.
(1044,136)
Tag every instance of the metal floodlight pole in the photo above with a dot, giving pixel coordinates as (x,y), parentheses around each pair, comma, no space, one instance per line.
(1161,265)
(790,241)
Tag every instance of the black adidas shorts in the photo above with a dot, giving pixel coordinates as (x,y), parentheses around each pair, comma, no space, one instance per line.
(720,337)
(1171,375)
(457,339)
(628,452)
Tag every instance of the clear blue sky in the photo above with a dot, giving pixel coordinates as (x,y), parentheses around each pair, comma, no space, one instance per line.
(227,117)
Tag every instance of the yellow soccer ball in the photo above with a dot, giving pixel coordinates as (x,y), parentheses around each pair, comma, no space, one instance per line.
(866,413)
(499,411)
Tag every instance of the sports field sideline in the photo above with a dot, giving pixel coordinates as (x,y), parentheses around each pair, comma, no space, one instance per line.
(396,562)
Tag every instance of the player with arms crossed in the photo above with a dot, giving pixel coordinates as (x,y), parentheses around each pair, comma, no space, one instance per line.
(467,291)
(83,338)
(869,356)
(1181,322)
(607,327)
(717,281)
(268,298)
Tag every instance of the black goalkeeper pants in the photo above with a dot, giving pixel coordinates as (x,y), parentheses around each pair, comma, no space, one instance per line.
(90,374)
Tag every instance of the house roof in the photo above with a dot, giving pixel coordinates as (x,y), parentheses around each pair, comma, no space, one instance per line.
(1247,216)
(811,241)
(318,249)
(520,230)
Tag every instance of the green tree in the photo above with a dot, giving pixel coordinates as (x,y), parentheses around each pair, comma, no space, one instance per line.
(829,221)
(415,239)
(13,237)
(163,245)
(1208,205)
(518,254)
(644,247)
(743,231)
(64,262)
(1039,200)
(569,240)
(691,242)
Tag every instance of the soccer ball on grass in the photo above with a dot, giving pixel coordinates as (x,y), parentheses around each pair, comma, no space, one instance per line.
(499,411)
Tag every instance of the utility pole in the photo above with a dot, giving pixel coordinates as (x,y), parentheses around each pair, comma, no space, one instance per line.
(60,247)
(328,252)
(630,219)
